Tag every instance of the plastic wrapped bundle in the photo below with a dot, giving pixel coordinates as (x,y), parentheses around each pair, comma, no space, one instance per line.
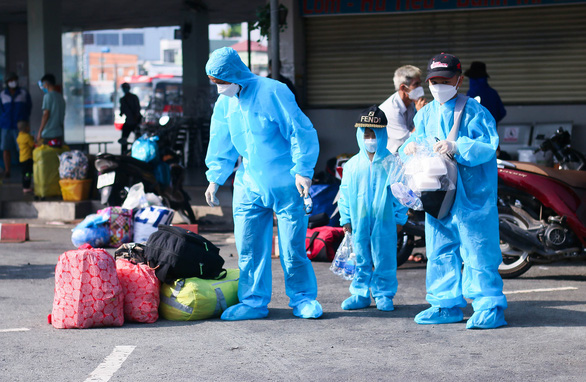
(429,177)
(146,149)
(73,165)
(93,230)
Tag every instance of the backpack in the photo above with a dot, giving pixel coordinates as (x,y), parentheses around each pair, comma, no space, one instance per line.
(176,253)
(321,243)
(87,290)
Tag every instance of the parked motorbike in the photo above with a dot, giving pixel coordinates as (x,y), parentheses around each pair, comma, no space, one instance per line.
(542,210)
(542,216)
(117,173)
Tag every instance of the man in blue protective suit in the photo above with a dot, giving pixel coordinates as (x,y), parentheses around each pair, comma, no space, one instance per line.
(369,211)
(469,233)
(257,118)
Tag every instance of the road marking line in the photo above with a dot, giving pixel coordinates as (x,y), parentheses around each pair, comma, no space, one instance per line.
(540,290)
(14,330)
(111,364)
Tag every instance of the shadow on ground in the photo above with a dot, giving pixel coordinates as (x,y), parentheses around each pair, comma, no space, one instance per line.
(27,271)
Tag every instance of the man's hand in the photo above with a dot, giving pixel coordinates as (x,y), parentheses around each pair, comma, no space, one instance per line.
(420,103)
(39,137)
(211,195)
(410,148)
(445,147)
(348,228)
(303,184)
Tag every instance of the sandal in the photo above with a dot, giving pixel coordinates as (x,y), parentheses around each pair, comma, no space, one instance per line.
(417,258)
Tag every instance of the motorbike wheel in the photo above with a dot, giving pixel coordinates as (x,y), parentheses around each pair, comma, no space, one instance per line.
(515,261)
(405,245)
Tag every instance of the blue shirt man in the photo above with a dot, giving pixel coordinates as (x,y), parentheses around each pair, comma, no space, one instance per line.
(15,106)
(487,96)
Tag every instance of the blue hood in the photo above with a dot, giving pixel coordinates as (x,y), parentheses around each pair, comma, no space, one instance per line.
(225,64)
(381,143)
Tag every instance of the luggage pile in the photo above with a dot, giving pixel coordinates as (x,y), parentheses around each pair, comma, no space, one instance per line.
(176,273)
(73,171)
(139,217)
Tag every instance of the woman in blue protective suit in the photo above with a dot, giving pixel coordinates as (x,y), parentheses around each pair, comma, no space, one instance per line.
(469,233)
(370,212)
(257,118)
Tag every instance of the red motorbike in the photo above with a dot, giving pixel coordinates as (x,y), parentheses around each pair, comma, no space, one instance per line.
(542,214)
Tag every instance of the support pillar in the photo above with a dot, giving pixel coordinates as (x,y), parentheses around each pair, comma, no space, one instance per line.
(44,49)
(196,50)
(274,40)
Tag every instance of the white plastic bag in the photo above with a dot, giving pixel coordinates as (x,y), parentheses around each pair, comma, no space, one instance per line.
(344,263)
(135,198)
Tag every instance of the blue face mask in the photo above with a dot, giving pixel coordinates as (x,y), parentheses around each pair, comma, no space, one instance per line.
(45,90)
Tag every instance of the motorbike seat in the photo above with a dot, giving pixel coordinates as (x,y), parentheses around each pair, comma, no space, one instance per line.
(573,178)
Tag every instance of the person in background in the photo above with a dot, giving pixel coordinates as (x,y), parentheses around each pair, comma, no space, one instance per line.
(26,144)
(482,92)
(257,118)
(15,106)
(51,130)
(130,107)
(469,234)
(283,79)
(400,108)
(370,212)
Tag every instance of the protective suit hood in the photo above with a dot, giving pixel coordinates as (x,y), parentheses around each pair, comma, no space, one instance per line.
(381,143)
(225,64)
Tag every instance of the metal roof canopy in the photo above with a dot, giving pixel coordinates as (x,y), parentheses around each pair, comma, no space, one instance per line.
(118,14)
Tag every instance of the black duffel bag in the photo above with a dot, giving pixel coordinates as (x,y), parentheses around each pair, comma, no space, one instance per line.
(176,253)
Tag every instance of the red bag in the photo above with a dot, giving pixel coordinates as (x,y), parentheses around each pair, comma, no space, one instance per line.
(141,291)
(87,291)
(321,243)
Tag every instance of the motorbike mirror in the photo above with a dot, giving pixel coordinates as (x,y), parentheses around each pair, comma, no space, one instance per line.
(164,120)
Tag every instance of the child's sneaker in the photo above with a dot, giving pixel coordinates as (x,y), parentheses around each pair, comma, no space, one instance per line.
(27,190)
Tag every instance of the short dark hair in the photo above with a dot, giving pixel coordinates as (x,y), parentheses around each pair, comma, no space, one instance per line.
(49,78)
(125,86)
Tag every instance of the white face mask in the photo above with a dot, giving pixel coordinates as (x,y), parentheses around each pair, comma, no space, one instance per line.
(443,93)
(12,84)
(370,145)
(228,90)
(416,93)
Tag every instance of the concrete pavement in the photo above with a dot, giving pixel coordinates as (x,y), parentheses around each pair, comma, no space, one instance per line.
(545,339)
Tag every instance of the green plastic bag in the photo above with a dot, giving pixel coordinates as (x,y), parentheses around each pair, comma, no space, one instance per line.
(197,299)
(46,170)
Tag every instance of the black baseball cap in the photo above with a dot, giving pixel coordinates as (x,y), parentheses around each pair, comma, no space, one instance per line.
(443,65)
(373,118)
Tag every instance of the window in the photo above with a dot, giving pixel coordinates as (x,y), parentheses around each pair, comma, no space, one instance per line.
(108,39)
(169,55)
(132,39)
(88,39)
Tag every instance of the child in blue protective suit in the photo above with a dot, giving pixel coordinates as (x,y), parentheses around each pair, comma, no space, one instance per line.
(469,234)
(370,212)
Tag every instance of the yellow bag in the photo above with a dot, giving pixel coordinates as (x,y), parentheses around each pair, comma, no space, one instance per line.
(46,170)
(75,190)
(197,299)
